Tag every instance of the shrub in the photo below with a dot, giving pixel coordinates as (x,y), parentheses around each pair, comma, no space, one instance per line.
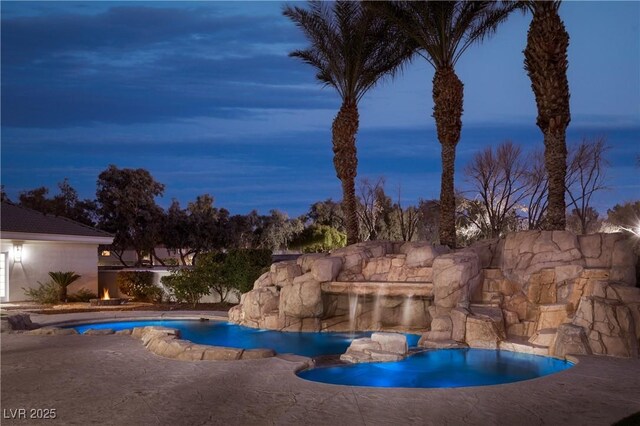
(187,285)
(242,267)
(139,285)
(46,294)
(82,295)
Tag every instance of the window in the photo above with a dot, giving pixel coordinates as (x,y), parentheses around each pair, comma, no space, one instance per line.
(3,275)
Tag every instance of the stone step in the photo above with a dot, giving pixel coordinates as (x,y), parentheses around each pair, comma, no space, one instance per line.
(544,337)
(523,346)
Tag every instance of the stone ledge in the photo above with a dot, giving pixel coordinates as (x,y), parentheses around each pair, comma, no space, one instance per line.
(166,342)
(381,288)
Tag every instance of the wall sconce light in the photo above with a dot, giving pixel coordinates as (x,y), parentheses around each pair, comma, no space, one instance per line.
(17,253)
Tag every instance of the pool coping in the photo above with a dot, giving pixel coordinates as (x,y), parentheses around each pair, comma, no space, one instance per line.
(159,343)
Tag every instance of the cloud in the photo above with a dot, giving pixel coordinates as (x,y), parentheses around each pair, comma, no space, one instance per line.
(150,64)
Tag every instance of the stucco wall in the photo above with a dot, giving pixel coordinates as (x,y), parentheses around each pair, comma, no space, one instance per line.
(40,257)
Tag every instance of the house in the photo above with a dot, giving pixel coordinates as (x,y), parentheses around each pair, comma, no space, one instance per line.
(32,244)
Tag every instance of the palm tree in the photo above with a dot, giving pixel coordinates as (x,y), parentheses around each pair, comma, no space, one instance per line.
(442,31)
(546,64)
(351,48)
(63,279)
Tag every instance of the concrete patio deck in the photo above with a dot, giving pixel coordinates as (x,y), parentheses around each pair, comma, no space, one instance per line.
(115,380)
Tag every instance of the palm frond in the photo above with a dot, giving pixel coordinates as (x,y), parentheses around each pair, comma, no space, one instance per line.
(351,46)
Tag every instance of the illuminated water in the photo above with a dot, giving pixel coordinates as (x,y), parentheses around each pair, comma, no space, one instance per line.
(444,368)
(220,333)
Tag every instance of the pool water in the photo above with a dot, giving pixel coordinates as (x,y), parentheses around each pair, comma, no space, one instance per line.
(444,368)
(220,333)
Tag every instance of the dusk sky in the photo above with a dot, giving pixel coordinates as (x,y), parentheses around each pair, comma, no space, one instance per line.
(204,96)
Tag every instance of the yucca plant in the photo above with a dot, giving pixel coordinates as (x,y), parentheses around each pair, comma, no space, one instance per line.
(63,280)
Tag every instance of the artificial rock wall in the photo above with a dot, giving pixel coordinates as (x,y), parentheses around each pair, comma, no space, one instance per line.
(544,292)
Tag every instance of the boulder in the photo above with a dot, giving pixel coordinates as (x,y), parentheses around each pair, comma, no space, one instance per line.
(570,339)
(326,268)
(421,254)
(17,321)
(377,268)
(545,337)
(482,332)
(257,303)
(283,273)
(610,326)
(306,261)
(265,280)
(52,331)
(381,347)
(301,300)
(220,353)
(455,277)
(459,323)
(551,316)
(528,252)
(391,342)
(489,252)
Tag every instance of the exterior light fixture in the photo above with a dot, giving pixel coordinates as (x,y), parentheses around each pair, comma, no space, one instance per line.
(17,252)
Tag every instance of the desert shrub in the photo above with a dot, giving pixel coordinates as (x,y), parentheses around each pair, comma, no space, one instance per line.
(46,294)
(187,285)
(242,267)
(82,295)
(139,285)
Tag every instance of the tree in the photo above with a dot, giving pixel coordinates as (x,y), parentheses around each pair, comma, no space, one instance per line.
(279,231)
(585,176)
(583,222)
(443,31)
(538,189)
(327,213)
(3,195)
(500,179)
(319,239)
(374,207)
(241,268)
(175,231)
(546,64)
(127,208)
(66,203)
(407,219)
(428,226)
(351,49)
(626,217)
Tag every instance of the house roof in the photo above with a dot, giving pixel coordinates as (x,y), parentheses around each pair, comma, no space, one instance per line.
(16,219)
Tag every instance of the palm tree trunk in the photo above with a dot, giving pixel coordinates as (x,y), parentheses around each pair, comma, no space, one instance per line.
(546,64)
(447,111)
(345,160)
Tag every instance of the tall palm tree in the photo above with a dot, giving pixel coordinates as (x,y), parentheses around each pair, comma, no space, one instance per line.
(442,31)
(351,48)
(546,64)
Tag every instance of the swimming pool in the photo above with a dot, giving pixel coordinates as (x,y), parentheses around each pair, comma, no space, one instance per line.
(221,333)
(443,368)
